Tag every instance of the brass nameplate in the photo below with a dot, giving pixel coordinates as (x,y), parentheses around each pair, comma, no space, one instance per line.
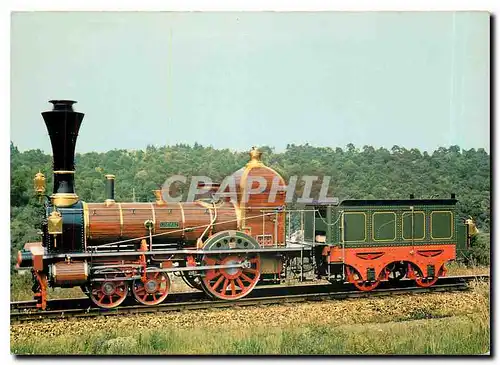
(167,225)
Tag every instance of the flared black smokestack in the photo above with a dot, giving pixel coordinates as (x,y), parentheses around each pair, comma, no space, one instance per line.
(63,124)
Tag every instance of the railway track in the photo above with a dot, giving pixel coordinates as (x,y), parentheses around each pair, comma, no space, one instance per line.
(82,307)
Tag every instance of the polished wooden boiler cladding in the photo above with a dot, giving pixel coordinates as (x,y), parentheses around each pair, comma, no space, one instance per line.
(170,221)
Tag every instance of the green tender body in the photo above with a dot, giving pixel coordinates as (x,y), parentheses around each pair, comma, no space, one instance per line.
(372,223)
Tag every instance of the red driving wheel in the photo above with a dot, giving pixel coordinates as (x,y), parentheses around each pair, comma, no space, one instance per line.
(230,283)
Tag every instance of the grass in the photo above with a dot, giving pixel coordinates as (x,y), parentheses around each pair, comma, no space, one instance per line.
(458,268)
(452,336)
(422,329)
(20,289)
(416,325)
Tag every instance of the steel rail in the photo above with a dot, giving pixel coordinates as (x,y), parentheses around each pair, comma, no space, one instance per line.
(81,307)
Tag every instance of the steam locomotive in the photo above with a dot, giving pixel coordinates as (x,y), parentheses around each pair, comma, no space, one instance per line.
(225,246)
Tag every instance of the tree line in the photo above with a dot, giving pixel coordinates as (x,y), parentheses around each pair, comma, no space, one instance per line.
(356,173)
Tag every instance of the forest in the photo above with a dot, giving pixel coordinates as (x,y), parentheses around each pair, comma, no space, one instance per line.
(356,173)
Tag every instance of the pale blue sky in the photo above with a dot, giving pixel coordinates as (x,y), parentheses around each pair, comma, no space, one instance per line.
(233,80)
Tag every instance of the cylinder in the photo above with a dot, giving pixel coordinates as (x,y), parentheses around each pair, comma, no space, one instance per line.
(70,274)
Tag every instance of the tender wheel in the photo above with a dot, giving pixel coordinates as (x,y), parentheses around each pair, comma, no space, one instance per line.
(354,278)
(424,282)
(236,282)
(397,273)
(111,292)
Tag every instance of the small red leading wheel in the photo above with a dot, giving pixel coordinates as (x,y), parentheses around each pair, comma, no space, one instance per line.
(154,290)
(233,282)
(354,278)
(110,292)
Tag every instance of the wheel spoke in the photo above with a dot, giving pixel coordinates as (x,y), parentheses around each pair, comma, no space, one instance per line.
(244,277)
(240,284)
(217,283)
(233,289)
(224,286)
